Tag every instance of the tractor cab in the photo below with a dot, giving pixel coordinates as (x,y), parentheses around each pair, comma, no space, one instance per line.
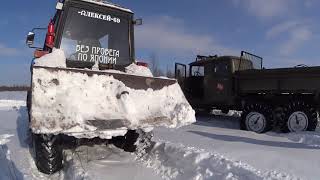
(90,32)
(208,82)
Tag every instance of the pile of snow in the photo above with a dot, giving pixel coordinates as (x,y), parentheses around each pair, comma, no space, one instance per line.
(138,70)
(4,139)
(70,99)
(180,163)
(55,59)
(232,113)
(309,138)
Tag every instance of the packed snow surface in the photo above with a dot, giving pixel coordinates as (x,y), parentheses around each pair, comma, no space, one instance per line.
(178,162)
(100,105)
(212,148)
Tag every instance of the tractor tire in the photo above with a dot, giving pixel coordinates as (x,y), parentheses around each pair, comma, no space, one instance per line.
(29,103)
(256,117)
(299,116)
(48,153)
(225,111)
(133,140)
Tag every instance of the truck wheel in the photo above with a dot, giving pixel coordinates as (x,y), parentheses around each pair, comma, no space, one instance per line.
(256,117)
(48,153)
(299,116)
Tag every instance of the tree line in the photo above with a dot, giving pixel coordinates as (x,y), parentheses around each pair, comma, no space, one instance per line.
(14,88)
(156,70)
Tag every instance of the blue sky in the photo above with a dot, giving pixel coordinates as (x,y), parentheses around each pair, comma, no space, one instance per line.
(284,32)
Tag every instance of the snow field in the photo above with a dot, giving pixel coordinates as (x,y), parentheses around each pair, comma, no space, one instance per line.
(178,154)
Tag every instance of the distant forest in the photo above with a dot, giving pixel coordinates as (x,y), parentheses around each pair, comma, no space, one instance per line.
(14,88)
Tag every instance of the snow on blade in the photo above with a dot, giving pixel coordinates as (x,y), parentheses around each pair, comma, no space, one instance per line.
(138,70)
(100,105)
(174,162)
(55,59)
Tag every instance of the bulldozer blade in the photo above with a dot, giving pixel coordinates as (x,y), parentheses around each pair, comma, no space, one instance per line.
(131,81)
(76,101)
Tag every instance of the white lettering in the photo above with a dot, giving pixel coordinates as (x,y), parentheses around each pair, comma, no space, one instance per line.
(99,16)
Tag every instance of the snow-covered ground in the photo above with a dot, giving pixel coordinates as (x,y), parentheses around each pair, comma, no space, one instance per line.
(212,148)
(292,156)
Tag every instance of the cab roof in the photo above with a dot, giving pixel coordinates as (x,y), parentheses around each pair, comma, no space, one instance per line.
(108,4)
(206,60)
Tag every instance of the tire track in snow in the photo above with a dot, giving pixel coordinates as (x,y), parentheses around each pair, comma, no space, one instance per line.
(183,163)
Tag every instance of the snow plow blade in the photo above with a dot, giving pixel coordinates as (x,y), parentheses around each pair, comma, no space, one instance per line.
(87,103)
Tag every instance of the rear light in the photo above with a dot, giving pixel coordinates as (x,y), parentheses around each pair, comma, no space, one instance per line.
(142,64)
(50,35)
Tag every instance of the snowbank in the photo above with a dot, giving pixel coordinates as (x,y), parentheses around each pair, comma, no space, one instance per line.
(4,139)
(100,105)
(232,113)
(311,139)
(180,163)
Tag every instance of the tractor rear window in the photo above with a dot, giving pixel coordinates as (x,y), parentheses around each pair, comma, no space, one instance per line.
(96,37)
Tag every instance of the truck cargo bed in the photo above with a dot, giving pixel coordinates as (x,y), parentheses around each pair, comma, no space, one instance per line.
(282,80)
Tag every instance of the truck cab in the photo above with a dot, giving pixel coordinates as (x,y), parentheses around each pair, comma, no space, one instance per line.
(209,82)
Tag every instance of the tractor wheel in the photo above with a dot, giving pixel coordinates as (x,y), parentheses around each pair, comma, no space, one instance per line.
(48,153)
(256,117)
(133,140)
(225,111)
(299,116)
(29,103)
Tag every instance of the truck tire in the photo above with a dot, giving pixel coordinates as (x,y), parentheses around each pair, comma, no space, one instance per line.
(256,117)
(299,116)
(48,153)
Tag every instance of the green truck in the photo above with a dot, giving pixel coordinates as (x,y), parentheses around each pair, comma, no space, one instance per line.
(286,98)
